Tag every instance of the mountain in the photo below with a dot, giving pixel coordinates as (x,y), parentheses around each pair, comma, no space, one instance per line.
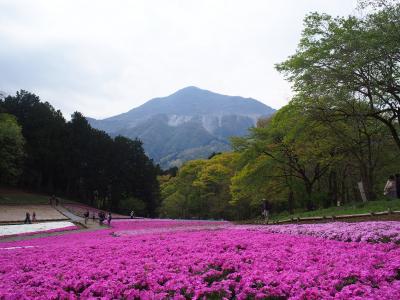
(191,123)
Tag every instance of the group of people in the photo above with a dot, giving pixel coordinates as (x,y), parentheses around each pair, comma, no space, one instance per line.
(28,219)
(392,187)
(54,200)
(101,215)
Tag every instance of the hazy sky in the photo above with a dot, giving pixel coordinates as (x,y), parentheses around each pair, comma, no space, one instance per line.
(105,57)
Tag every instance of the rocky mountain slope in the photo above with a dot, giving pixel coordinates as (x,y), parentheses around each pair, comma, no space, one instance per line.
(191,123)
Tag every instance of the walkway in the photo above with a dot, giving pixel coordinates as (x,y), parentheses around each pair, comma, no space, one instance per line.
(69,215)
(79,220)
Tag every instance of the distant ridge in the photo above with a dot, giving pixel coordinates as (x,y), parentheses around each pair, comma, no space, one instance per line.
(188,124)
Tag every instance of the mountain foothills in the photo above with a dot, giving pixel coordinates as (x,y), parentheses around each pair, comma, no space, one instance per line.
(189,124)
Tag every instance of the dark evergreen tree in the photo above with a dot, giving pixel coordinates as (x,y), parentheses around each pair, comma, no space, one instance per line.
(76,160)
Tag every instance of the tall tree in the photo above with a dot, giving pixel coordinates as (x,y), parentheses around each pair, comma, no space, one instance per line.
(74,159)
(44,130)
(11,149)
(291,145)
(350,58)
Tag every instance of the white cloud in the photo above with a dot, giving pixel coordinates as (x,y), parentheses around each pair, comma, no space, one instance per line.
(106,57)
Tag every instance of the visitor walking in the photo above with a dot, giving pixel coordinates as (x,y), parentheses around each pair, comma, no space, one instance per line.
(132,214)
(86,215)
(109,218)
(52,200)
(93,217)
(101,217)
(27,218)
(266,209)
(33,217)
(397,179)
(390,187)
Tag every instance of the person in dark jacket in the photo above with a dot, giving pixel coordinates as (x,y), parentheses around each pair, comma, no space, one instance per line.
(100,217)
(397,179)
(266,210)
(27,218)
(109,218)
(86,216)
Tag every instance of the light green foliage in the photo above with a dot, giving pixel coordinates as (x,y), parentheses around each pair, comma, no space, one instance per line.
(355,58)
(200,189)
(11,148)
(290,148)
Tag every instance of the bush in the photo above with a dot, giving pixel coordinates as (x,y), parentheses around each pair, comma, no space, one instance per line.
(132,203)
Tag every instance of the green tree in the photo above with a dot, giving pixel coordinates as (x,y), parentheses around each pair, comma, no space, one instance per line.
(11,149)
(364,141)
(76,160)
(291,147)
(355,57)
(45,133)
(201,189)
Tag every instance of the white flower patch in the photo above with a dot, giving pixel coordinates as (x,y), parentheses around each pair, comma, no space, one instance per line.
(35,227)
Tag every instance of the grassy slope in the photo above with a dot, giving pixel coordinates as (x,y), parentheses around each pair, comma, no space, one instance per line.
(355,208)
(23,199)
(15,197)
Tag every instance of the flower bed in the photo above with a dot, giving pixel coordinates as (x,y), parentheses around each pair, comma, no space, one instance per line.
(35,228)
(229,263)
(373,232)
(135,227)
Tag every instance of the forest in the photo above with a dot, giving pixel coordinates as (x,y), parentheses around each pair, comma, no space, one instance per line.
(40,151)
(339,131)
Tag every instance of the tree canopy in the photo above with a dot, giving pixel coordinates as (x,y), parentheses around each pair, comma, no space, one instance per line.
(351,59)
(73,159)
(11,149)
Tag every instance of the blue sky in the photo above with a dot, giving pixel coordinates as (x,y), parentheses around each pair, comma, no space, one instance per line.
(105,57)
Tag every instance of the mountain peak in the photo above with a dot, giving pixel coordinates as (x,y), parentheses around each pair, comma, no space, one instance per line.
(190,90)
(188,124)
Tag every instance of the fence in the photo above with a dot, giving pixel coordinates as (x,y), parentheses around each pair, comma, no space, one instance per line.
(335,218)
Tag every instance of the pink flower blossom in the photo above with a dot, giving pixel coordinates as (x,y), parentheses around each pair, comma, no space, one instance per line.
(213,261)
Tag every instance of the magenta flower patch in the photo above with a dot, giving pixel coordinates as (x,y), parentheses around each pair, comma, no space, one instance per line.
(209,261)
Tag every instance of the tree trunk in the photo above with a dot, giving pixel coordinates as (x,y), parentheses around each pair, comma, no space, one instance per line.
(290,201)
(367,180)
(333,189)
(309,202)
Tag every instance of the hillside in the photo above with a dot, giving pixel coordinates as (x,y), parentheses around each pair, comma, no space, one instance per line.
(191,123)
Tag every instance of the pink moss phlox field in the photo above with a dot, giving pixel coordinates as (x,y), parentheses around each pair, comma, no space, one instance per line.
(229,263)
(373,232)
(134,227)
(69,228)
